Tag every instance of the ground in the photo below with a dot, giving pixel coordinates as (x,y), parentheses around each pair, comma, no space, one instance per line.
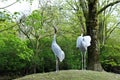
(72,75)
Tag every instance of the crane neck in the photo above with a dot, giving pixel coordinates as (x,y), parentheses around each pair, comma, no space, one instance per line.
(54,38)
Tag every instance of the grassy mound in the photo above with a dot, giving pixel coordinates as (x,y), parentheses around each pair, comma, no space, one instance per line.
(72,75)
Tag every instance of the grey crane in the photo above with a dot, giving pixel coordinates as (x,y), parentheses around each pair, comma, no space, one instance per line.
(82,43)
(59,54)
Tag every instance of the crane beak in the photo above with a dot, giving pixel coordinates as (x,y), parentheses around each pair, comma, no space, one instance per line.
(77,47)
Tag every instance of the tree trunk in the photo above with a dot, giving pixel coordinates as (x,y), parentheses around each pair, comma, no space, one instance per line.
(92,30)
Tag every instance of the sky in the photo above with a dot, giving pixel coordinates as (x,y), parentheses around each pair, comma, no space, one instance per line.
(23,6)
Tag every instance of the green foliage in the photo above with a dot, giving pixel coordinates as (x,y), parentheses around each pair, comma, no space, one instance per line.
(110,55)
(14,54)
(34,19)
(8,28)
(72,55)
(5,16)
(46,59)
(46,55)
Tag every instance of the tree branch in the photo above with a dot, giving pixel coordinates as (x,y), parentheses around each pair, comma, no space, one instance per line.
(71,5)
(105,7)
(84,7)
(9,5)
(111,30)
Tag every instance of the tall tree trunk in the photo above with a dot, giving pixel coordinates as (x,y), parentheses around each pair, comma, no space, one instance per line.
(92,30)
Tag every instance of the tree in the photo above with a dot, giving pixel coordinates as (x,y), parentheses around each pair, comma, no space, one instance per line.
(92,30)
(36,26)
(31,29)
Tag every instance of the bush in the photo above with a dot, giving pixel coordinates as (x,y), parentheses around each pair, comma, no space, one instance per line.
(14,53)
(110,57)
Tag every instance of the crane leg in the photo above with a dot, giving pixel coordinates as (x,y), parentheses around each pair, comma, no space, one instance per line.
(57,66)
(85,61)
(82,60)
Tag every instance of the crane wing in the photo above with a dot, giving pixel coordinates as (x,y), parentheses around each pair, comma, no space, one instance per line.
(87,40)
(78,42)
(58,51)
(62,56)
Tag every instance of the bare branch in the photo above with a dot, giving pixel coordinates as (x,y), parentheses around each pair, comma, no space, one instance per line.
(25,33)
(105,7)
(76,4)
(71,5)
(84,7)
(111,30)
(9,5)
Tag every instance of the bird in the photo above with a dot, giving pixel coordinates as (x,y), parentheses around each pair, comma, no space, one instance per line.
(82,43)
(58,52)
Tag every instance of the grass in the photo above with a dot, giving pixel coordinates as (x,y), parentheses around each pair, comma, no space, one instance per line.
(72,75)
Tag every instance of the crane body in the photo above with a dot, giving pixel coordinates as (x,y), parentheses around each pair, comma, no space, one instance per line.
(58,52)
(82,43)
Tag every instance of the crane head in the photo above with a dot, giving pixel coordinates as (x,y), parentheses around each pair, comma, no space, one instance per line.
(82,34)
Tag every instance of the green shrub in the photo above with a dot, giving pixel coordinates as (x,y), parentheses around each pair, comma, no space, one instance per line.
(110,57)
(14,53)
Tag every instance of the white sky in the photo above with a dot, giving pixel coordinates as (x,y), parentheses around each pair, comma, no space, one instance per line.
(22,6)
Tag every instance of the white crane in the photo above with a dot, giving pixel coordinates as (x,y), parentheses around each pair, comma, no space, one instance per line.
(82,43)
(59,54)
